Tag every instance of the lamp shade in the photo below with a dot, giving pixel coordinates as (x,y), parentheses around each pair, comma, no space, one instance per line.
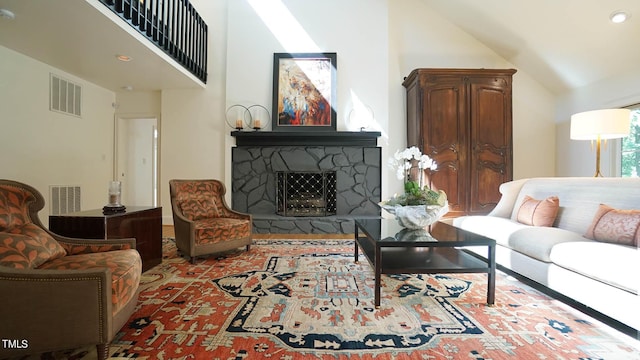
(605,124)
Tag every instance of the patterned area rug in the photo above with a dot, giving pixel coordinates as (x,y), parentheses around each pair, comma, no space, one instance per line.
(308,299)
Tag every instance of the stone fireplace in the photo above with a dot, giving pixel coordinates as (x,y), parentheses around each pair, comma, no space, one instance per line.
(306,182)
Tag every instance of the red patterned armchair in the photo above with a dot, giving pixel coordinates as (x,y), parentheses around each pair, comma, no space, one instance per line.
(59,293)
(203,222)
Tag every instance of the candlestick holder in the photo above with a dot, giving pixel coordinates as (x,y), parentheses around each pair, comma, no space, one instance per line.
(238,117)
(361,117)
(260,117)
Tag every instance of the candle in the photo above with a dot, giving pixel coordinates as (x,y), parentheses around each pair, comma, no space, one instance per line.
(239,124)
(256,124)
(115,188)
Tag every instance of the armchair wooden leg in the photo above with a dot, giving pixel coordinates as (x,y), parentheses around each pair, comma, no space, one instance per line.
(193,260)
(103,351)
(248,247)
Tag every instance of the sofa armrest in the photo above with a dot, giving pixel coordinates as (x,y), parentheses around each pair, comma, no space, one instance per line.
(47,307)
(75,246)
(509,191)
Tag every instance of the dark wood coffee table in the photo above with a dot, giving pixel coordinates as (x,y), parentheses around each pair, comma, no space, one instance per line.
(392,249)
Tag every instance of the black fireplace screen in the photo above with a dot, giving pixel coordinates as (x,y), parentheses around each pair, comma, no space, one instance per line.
(306,193)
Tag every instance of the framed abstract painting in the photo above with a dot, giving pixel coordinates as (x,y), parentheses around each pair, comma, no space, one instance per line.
(304,92)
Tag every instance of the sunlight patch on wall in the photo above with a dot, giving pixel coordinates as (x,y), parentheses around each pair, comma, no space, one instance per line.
(361,117)
(284,26)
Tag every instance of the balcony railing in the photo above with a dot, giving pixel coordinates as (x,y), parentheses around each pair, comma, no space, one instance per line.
(173,25)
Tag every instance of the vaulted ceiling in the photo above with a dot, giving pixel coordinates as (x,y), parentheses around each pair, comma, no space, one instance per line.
(564,44)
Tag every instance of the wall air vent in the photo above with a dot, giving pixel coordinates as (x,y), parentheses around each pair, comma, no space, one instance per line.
(64,199)
(65,96)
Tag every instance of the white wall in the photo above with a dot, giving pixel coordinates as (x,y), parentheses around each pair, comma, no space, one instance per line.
(193,131)
(361,44)
(42,148)
(420,38)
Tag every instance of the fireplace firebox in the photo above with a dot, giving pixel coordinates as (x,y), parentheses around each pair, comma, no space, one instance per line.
(306,193)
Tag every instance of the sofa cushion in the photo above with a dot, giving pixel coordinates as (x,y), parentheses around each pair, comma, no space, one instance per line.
(493,227)
(27,247)
(537,242)
(211,231)
(613,264)
(125,267)
(615,226)
(538,212)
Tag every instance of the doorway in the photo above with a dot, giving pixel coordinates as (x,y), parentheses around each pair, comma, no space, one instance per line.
(136,155)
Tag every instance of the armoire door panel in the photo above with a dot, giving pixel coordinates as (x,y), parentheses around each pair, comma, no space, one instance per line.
(443,122)
(490,122)
(440,119)
(446,178)
(485,190)
(414,127)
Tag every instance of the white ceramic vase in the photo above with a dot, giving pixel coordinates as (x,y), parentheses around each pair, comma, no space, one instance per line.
(417,216)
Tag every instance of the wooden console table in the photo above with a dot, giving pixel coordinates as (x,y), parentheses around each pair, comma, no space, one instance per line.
(142,223)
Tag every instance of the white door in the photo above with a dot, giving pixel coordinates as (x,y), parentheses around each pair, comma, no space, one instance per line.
(137,160)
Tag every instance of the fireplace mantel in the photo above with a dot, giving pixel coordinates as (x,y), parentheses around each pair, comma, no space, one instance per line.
(297,138)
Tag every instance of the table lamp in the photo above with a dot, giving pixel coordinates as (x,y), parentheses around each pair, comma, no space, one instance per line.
(600,125)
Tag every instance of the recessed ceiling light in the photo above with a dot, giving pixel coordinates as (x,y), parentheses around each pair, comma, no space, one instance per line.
(127,88)
(619,16)
(123,57)
(7,14)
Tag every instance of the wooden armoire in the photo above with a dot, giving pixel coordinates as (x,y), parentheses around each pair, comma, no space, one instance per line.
(462,119)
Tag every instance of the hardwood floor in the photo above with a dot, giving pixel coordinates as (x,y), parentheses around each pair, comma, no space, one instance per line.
(168,231)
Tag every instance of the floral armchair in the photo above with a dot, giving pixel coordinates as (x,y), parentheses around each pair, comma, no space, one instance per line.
(203,222)
(59,293)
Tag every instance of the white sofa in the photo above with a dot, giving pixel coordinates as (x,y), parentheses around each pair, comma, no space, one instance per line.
(603,276)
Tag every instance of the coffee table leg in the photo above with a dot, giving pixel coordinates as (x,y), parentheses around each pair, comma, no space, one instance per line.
(355,244)
(378,270)
(491,286)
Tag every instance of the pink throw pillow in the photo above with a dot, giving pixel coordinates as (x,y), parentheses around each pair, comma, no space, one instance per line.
(538,212)
(615,226)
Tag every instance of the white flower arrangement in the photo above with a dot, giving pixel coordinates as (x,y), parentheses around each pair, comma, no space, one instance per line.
(415,192)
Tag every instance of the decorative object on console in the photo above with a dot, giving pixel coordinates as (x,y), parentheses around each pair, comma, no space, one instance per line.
(236,117)
(538,212)
(114,205)
(304,92)
(361,117)
(600,125)
(419,206)
(260,117)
